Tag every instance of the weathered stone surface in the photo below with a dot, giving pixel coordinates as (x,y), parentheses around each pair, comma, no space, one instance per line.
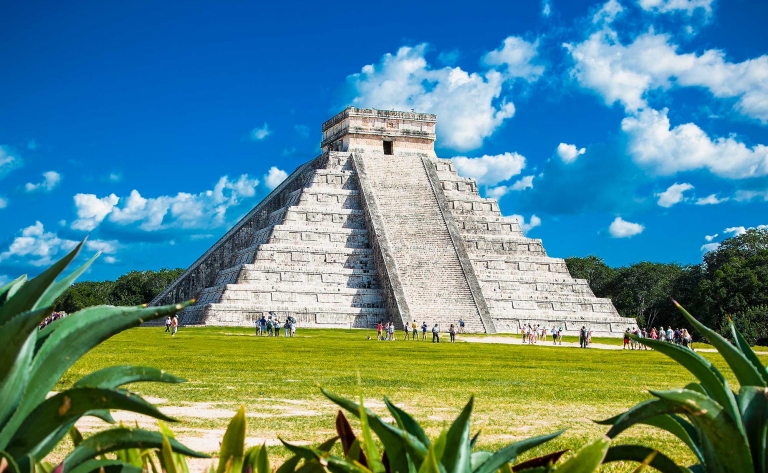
(378,228)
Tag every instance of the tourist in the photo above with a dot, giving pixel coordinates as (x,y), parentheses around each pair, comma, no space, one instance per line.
(626,339)
(256,323)
(654,335)
(452,332)
(270,326)
(168,323)
(378,331)
(461,325)
(559,335)
(543,332)
(424,331)
(670,335)
(435,334)
(415,330)
(174,324)
(684,338)
(262,325)
(277,327)
(407,330)
(293,326)
(392,331)
(583,337)
(287,326)
(554,335)
(524,333)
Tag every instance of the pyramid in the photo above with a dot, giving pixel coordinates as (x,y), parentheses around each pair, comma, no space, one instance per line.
(378,228)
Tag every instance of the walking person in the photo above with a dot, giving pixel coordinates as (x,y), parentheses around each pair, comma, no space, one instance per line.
(461,325)
(424,331)
(583,337)
(262,325)
(559,335)
(435,334)
(407,331)
(392,331)
(452,332)
(168,323)
(174,325)
(277,327)
(415,330)
(287,326)
(378,331)
(554,335)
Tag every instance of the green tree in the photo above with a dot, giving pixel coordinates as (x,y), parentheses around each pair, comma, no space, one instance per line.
(140,287)
(644,291)
(84,294)
(592,268)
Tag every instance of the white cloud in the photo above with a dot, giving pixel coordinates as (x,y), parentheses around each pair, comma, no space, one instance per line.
(91,210)
(3,202)
(490,170)
(258,134)
(526,182)
(625,74)
(8,161)
(569,153)
(526,227)
(274,177)
(50,180)
(497,192)
(184,210)
(37,247)
(706,248)
(607,13)
(621,228)
(747,195)
(115,177)
(667,6)
(654,143)
(546,8)
(673,195)
(711,237)
(736,231)
(110,259)
(469,105)
(516,55)
(711,199)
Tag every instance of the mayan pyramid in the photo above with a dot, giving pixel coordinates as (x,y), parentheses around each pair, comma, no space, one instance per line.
(378,228)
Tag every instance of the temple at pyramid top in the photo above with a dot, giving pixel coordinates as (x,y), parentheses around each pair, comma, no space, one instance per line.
(377,228)
(369,130)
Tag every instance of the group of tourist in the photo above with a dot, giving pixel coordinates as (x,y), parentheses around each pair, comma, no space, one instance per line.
(386,331)
(532,334)
(52,318)
(171,324)
(677,336)
(271,326)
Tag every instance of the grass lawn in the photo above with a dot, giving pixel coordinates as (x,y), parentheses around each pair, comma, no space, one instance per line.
(520,390)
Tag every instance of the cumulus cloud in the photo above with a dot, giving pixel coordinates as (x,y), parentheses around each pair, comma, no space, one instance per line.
(497,192)
(569,153)
(37,247)
(258,134)
(274,177)
(183,211)
(673,195)
(655,144)
(607,13)
(736,231)
(8,161)
(50,180)
(3,202)
(469,105)
(526,227)
(711,199)
(490,170)
(91,210)
(667,6)
(516,57)
(621,228)
(711,237)
(625,74)
(707,247)
(525,182)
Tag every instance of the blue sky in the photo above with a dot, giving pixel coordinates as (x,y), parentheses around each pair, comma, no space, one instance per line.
(630,129)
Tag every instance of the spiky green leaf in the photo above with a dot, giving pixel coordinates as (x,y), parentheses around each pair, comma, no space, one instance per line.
(233,443)
(406,422)
(510,452)
(107,466)
(588,459)
(456,458)
(637,453)
(115,376)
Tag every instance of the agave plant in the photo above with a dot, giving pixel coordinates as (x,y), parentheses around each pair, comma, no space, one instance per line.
(408,449)
(32,361)
(725,430)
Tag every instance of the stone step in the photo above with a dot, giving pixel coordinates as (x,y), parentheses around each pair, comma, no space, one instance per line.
(330,198)
(317,317)
(316,215)
(320,236)
(338,179)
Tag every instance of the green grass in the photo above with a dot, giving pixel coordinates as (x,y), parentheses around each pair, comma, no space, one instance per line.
(520,390)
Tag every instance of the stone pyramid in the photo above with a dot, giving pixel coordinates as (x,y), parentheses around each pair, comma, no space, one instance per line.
(378,228)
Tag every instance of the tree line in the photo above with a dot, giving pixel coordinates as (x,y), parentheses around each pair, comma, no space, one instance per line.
(731,281)
(132,288)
